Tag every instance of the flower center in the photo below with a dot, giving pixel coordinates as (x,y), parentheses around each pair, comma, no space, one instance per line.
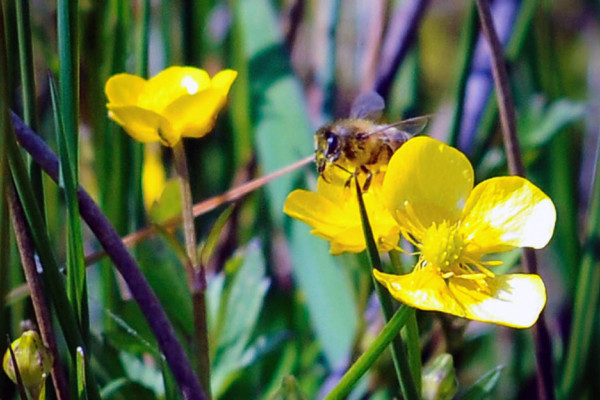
(442,246)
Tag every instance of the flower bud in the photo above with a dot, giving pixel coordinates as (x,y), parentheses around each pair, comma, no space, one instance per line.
(33,359)
(439,378)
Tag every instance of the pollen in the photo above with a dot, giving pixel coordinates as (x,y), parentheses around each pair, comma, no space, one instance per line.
(442,246)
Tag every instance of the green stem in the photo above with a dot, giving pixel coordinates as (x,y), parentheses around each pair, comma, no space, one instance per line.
(196,274)
(411,330)
(407,383)
(366,360)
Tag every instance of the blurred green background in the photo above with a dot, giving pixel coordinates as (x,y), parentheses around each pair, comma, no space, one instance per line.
(279,304)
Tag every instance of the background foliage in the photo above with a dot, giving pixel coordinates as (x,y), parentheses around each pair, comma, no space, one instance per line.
(279,304)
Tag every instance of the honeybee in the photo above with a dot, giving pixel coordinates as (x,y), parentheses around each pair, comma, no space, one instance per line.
(360,145)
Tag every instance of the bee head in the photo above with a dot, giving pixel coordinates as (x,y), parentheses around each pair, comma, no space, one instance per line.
(327,147)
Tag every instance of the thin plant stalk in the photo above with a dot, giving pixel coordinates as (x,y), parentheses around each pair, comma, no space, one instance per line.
(36,292)
(411,330)
(196,274)
(543,345)
(366,360)
(399,356)
(125,264)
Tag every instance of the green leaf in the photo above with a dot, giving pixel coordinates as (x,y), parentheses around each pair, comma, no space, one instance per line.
(484,385)
(327,292)
(245,296)
(542,121)
(168,205)
(282,132)
(80,367)
(212,239)
(76,286)
(289,390)
(166,276)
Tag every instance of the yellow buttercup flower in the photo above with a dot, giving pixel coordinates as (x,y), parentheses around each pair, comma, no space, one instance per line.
(33,359)
(178,102)
(429,190)
(334,215)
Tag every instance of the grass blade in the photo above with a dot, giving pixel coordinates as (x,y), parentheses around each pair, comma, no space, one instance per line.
(403,370)
(587,292)
(366,360)
(76,285)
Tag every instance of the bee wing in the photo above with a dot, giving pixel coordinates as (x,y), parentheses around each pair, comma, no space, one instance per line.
(368,105)
(412,126)
(408,127)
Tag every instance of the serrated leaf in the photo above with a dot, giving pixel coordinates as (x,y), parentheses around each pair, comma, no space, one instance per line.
(245,296)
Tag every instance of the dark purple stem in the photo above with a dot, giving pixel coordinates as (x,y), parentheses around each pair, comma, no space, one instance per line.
(480,83)
(543,344)
(127,266)
(398,40)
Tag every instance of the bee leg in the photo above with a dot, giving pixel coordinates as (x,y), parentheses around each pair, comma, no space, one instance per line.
(347,183)
(369,178)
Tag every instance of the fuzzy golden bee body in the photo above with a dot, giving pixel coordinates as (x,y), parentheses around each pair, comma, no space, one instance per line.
(360,145)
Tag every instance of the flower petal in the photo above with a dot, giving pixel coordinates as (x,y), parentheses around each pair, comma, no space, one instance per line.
(143,125)
(195,116)
(514,300)
(334,216)
(507,212)
(423,289)
(154,176)
(317,211)
(172,83)
(124,89)
(223,80)
(431,177)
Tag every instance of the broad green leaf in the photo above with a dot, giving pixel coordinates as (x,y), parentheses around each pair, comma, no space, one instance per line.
(283,134)
(167,277)
(327,291)
(245,296)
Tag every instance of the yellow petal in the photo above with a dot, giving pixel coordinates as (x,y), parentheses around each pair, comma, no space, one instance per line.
(171,84)
(195,116)
(423,289)
(334,216)
(430,177)
(223,80)
(512,300)
(320,213)
(143,125)
(507,212)
(154,176)
(124,89)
